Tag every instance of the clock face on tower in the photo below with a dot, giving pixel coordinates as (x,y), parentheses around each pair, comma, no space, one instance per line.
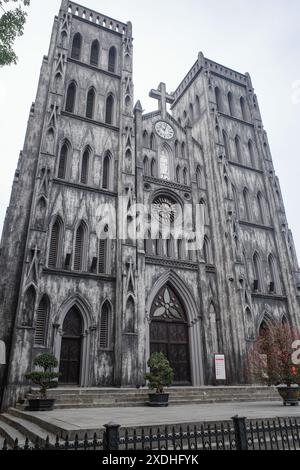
(164,130)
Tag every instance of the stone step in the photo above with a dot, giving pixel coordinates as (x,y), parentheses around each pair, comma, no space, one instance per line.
(48,428)
(116,396)
(86,391)
(28,428)
(10,433)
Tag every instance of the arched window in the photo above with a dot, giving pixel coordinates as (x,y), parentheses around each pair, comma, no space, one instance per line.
(146,165)
(246,204)
(145,139)
(159,251)
(63,160)
(55,244)
(185,176)
(152,142)
(230,103)
(191,111)
(105,320)
(238,149)
(200,177)
(235,200)
(198,111)
(183,150)
(257,272)
(103,253)
(176,148)
(164,163)
(94,53)
(112,59)
(170,247)
(71,98)
(204,207)
(206,250)
(226,145)
(109,111)
(273,274)
(76,46)
(243,108)
(106,172)
(153,168)
(90,104)
(219,99)
(260,208)
(251,152)
(178,174)
(41,324)
(80,248)
(85,165)
(180,248)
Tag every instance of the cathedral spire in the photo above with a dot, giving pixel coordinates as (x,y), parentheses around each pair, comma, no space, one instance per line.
(163,97)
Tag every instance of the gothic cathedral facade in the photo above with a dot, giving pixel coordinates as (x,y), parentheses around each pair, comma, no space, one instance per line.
(102,305)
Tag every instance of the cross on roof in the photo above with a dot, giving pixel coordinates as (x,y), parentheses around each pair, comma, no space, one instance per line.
(163,97)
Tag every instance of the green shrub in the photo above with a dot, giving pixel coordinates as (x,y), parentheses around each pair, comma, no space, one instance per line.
(46,378)
(161,373)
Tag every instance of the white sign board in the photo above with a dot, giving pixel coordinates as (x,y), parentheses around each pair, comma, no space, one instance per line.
(2,353)
(220,367)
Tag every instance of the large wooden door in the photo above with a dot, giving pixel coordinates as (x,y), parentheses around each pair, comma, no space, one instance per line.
(70,355)
(169,334)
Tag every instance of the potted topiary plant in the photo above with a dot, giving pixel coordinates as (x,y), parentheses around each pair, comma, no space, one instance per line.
(160,376)
(270,361)
(45,379)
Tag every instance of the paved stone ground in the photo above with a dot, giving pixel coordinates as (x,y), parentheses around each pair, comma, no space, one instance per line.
(93,418)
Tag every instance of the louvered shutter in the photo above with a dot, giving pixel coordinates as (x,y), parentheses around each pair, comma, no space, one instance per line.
(104,326)
(105,183)
(102,256)
(94,53)
(78,249)
(109,110)
(71,95)
(54,246)
(76,47)
(63,162)
(84,167)
(112,60)
(41,323)
(90,104)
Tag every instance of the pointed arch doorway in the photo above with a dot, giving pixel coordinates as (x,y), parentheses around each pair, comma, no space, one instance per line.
(169,333)
(71,348)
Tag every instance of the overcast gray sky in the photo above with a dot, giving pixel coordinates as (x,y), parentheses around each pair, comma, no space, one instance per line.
(260,37)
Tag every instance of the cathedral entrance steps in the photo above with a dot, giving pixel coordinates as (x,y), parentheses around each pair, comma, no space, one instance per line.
(122,397)
(10,432)
(15,425)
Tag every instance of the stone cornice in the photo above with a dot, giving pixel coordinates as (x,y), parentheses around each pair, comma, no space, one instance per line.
(84,187)
(167,184)
(84,275)
(94,68)
(245,167)
(90,121)
(156,260)
(255,225)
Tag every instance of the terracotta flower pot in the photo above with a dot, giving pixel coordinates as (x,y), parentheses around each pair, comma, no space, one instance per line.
(290,395)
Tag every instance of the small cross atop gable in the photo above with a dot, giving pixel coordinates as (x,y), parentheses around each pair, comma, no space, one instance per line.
(163,97)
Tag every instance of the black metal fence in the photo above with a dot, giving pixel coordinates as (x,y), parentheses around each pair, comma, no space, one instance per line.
(238,434)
